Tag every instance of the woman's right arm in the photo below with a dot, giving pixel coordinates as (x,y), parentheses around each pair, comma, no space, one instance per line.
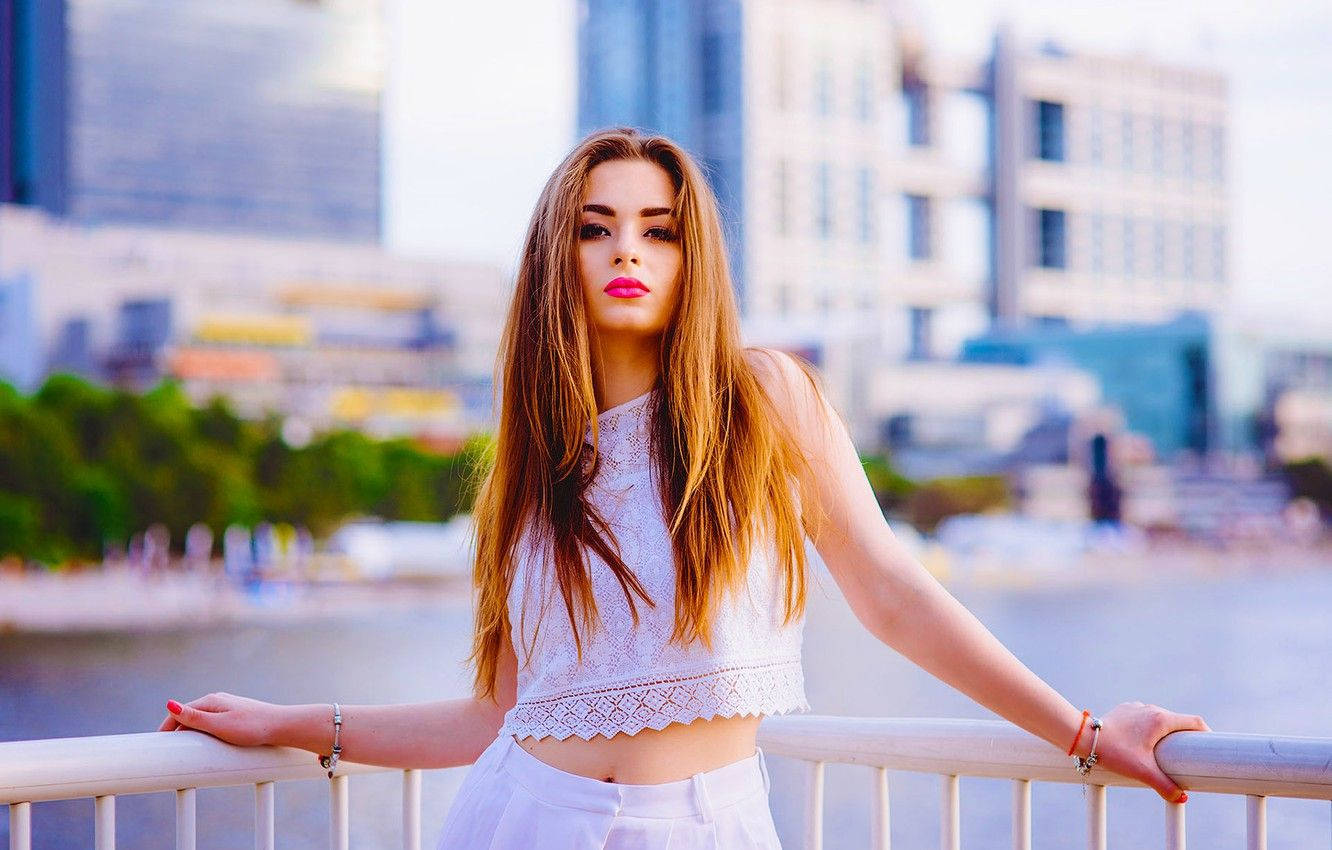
(448,733)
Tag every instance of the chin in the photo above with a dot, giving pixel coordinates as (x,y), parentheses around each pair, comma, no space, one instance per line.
(629,325)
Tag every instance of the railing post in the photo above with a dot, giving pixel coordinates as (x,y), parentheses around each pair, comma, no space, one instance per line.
(104,820)
(1096,818)
(263,816)
(1255,822)
(950,825)
(339,832)
(186,820)
(814,805)
(411,809)
(20,826)
(1174,826)
(1021,814)
(881,821)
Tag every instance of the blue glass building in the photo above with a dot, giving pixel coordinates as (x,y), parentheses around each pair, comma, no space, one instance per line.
(671,67)
(1161,376)
(248,115)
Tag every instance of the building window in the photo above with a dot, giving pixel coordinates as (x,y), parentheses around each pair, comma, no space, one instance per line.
(1051,241)
(1218,153)
(1050,130)
(1096,147)
(920,333)
(781,198)
(1097,241)
(1158,145)
(864,92)
(1186,149)
(823,199)
(1130,256)
(1187,240)
(917,101)
(865,203)
(784,298)
(1159,248)
(1218,254)
(918,227)
(1126,141)
(823,88)
(781,77)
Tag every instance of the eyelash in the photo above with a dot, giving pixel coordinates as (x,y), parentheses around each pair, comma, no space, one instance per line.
(667,235)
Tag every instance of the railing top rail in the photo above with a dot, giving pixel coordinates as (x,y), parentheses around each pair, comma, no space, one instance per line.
(1267,765)
(145,762)
(1232,763)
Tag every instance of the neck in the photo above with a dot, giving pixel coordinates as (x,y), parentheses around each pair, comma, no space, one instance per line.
(629,368)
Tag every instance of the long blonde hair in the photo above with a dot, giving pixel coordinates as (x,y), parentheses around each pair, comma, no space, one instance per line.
(716,440)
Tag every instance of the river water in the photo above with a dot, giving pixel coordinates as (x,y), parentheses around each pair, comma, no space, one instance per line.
(1250,653)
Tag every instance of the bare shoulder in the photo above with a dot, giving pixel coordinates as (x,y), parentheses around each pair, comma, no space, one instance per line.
(790,382)
(782,374)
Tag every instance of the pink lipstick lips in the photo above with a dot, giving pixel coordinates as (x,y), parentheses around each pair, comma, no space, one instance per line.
(626,287)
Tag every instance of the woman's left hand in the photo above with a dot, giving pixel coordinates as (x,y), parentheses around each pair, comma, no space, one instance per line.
(1128,739)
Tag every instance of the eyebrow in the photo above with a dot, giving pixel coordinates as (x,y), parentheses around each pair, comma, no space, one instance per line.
(646,212)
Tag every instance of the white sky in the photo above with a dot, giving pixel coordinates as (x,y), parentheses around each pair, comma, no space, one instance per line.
(481,107)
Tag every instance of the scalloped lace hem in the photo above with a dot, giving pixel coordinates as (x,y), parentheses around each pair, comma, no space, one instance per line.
(775,689)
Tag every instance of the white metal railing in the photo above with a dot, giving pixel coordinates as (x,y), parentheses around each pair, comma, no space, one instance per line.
(106,766)
(1257,766)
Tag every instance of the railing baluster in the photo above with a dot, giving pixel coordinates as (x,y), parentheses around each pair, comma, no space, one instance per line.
(104,820)
(814,805)
(263,816)
(411,809)
(20,826)
(1021,814)
(880,820)
(950,822)
(339,832)
(186,821)
(1174,826)
(1096,818)
(1255,822)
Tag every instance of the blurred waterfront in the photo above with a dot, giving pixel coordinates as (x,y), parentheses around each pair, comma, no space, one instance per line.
(1246,650)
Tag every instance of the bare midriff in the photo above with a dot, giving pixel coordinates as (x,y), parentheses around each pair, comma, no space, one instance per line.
(651,756)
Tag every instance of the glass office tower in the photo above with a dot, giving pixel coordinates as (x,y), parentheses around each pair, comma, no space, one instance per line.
(248,115)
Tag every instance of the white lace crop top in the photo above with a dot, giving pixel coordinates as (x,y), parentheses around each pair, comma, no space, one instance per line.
(630,678)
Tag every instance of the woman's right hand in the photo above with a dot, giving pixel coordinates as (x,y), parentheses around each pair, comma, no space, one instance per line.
(236,720)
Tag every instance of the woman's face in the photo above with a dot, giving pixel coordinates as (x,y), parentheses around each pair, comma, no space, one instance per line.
(629,248)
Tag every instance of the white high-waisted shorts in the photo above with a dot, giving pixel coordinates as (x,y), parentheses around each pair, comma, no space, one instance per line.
(511,800)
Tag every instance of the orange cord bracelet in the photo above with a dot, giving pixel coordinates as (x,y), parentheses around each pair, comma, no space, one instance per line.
(1085,715)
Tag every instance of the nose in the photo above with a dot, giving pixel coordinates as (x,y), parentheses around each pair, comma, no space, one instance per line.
(626,254)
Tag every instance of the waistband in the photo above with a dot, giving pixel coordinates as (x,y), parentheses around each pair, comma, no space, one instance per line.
(699,795)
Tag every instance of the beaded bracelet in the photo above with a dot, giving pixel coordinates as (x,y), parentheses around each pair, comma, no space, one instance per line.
(1084,766)
(330,762)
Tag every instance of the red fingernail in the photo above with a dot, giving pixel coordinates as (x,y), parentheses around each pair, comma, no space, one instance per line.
(173,706)
(1185,798)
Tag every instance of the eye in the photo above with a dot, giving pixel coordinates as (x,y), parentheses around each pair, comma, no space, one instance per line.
(665,234)
(589,231)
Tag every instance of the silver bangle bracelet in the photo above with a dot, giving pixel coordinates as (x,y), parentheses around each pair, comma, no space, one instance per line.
(1084,765)
(330,762)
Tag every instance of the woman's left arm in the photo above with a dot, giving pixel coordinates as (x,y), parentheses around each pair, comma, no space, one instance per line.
(901,604)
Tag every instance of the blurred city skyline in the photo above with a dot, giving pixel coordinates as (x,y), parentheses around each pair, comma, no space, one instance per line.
(481,103)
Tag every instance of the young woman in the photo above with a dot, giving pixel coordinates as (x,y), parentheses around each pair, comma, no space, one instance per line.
(640,552)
